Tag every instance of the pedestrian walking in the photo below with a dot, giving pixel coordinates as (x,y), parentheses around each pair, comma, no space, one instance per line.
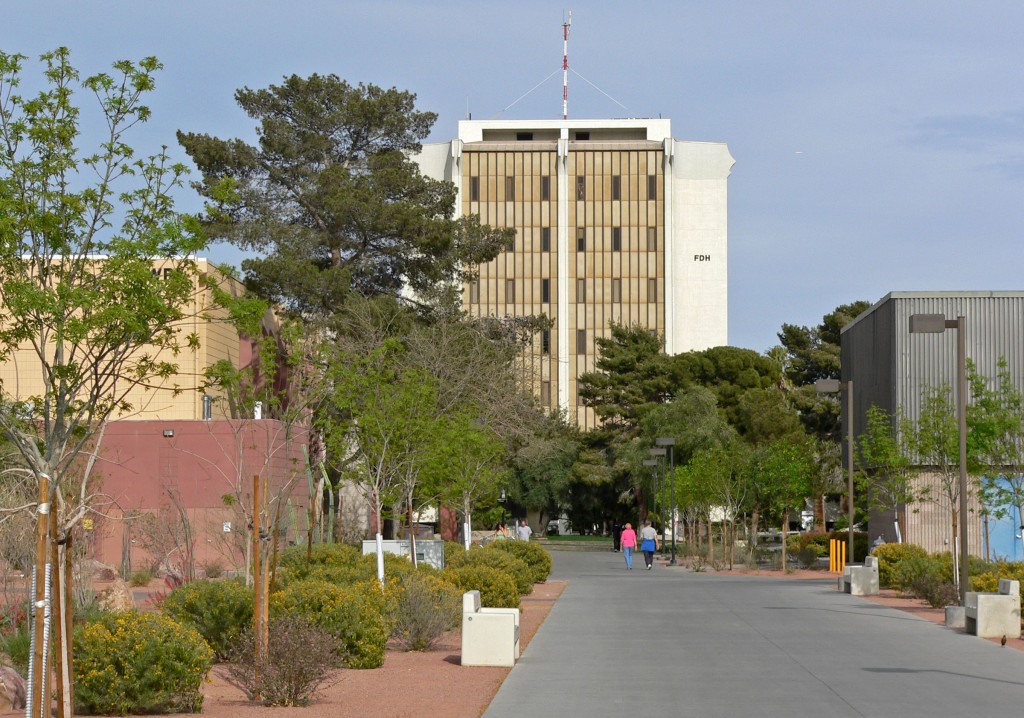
(523,531)
(616,537)
(648,543)
(500,532)
(628,541)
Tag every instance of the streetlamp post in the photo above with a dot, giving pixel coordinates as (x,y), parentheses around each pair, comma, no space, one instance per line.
(653,463)
(659,455)
(832,386)
(936,324)
(670,443)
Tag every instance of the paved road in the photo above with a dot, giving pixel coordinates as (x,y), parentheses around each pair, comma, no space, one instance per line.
(668,642)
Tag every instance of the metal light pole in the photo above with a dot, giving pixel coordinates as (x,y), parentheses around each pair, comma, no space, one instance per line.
(936,324)
(659,455)
(653,463)
(831,386)
(670,443)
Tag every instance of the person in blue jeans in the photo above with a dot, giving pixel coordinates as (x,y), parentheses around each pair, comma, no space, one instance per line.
(648,543)
(628,541)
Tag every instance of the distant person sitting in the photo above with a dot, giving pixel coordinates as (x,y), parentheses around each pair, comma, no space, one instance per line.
(523,531)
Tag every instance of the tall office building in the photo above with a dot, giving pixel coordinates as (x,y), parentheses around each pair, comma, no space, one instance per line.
(615,221)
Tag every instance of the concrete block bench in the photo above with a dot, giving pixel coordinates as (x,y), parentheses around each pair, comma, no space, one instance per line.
(994,615)
(490,636)
(860,579)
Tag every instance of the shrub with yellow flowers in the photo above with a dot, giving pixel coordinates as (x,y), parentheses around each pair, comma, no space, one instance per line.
(133,663)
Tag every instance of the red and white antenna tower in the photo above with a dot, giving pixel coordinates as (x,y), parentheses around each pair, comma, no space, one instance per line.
(565,67)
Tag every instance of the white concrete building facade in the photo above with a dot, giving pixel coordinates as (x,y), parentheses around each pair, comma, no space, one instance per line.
(616,221)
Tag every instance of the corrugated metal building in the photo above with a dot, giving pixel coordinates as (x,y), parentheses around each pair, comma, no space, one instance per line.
(889,367)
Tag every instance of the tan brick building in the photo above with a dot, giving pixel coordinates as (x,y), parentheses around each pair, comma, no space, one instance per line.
(615,221)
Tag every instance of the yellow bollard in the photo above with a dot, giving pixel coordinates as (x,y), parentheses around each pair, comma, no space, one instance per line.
(836,555)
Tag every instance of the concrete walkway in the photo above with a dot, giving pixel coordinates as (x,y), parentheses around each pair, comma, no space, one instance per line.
(669,642)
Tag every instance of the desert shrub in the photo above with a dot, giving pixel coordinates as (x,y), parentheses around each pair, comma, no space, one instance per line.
(520,573)
(137,663)
(808,555)
(891,554)
(395,566)
(535,557)
(213,569)
(497,589)
(800,541)
(425,606)
(922,576)
(297,661)
(335,563)
(975,565)
(219,610)
(861,542)
(15,638)
(355,616)
(293,558)
(142,577)
(988,579)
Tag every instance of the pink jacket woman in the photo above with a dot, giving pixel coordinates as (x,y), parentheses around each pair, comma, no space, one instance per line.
(628,541)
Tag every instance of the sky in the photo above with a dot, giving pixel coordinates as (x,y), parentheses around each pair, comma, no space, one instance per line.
(879,146)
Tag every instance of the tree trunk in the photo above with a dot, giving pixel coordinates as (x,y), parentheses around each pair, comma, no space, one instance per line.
(785,527)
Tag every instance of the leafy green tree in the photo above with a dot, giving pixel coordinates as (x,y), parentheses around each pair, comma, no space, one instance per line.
(888,471)
(543,470)
(471,457)
(692,419)
(936,443)
(717,482)
(633,375)
(729,372)
(330,199)
(379,406)
(812,353)
(93,329)
(996,431)
(784,469)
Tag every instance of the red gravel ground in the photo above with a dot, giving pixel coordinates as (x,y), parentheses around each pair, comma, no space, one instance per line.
(433,683)
(413,684)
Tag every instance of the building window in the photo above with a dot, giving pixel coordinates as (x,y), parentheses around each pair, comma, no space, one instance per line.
(581,341)
(545,393)
(510,245)
(581,239)
(616,187)
(474,291)
(652,187)
(582,136)
(616,290)
(652,291)
(510,188)
(510,291)
(545,239)
(545,290)
(545,341)
(616,239)
(545,188)
(581,188)
(652,239)
(474,189)
(524,136)
(581,290)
